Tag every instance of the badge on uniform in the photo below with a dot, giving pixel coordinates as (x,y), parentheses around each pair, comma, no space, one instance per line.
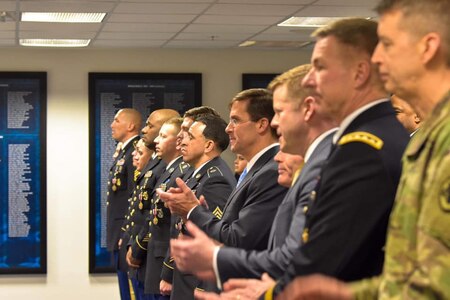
(444,197)
(148,174)
(120,162)
(141,206)
(198,176)
(171,170)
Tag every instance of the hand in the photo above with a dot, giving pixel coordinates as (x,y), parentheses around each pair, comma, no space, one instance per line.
(131,261)
(202,202)
(317,287)
(194,254)
(165,288)
(249,288)
(179,200)
(119,243)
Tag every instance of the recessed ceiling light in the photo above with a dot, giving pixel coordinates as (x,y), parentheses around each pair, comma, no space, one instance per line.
(313,22)
(54,42)
(247,44)
(62,17)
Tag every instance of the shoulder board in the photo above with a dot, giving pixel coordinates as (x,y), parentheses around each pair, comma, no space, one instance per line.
(362,137)
(211,171)
(183,166)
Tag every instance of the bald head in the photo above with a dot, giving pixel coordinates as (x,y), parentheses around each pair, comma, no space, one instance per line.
(126,124)
(133,117)
(154,122)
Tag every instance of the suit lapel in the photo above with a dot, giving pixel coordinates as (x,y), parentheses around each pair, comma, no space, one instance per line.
(261,162)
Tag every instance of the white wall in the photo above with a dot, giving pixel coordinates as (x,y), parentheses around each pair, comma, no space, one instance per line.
(67,145)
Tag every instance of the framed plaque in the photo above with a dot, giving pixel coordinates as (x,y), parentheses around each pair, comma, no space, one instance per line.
(109,92)
(23,108)
(251,81)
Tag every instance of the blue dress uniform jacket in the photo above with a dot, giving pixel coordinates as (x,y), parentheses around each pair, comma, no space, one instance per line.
(135,219)
(215,181)
(250,209)
(120,186)
(157,230)
(347,219)
(286,229)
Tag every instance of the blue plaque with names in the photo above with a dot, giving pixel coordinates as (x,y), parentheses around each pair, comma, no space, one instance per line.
(23,172)
(108,93)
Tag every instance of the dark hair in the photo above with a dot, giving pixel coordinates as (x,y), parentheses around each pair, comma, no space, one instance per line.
(259,104)
(421,17)
(195,112)
(215,130)
(355,32)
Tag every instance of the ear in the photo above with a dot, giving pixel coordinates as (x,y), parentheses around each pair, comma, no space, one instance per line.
(263,124)
(416,119)
(308,108)
(362,72)
(209,146)
(429,46)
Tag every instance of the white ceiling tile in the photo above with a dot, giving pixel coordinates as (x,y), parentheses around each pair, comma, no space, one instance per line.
(134,35)
(171,1)
(216,28)
(150,18)
(336,11)
(200,44)
(61,6)
(161,8)
(139,27)
(8,26)
(213,37)
(281,37)
(8,42)
(370,3)
(248,20)
(278,2)
(7,5)
(252,10)
(127,44)
(7,34)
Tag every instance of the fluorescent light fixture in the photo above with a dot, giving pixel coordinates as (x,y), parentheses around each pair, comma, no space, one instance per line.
(313,22)
(54,43)
(62,17)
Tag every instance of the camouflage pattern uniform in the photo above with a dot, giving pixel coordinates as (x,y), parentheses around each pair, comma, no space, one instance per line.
(417,262)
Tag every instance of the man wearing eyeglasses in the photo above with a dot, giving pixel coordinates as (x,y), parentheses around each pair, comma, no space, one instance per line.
(251,207)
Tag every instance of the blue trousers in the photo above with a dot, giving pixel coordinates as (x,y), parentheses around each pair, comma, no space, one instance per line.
(124,286)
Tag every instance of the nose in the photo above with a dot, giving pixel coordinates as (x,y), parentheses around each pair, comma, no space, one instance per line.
(228,128)
(144,130)
(308,80)
(376,54)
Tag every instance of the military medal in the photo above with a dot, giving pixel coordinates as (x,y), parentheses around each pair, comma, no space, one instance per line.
(141,206)
(114,188)
(155,220)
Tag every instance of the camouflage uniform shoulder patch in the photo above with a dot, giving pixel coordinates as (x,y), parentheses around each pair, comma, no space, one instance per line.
(362,137)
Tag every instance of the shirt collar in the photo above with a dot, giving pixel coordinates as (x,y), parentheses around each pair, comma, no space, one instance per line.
(316,142)
(255,157)
(351,117)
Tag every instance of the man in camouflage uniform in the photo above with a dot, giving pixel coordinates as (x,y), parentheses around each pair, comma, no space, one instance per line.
(413,56)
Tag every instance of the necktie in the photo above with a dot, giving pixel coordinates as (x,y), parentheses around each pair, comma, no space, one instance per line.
(297,174)
(241,177)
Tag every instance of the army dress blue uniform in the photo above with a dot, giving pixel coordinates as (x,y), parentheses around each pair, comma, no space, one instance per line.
(346,223)
(120,186)
(215,181)
(151,244)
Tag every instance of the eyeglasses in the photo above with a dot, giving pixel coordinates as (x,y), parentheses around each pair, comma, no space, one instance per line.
(235,122)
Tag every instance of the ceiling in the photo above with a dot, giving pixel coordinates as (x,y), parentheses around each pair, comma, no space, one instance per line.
(176,23)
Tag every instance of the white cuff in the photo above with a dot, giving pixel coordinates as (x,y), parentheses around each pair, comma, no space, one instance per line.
(215,268)
(189,213)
